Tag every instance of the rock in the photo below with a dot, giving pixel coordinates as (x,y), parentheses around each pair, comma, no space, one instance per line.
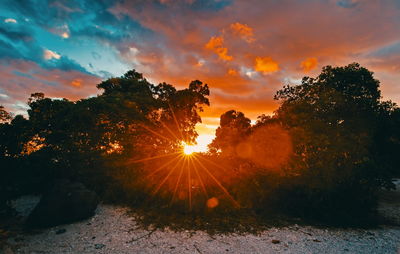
(65,202)
(61,231)
(274,241)
(99,246)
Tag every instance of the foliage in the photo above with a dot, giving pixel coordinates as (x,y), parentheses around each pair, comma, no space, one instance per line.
(323,155)
(94,140)
(234,127)
(4,115)
(345,147)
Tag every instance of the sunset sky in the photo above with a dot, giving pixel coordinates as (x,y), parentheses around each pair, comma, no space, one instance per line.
(244,50)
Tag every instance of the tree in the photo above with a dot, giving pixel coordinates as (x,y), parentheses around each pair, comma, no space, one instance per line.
(335,121)
(4,115)
(95,139)
(141,106)
(333,116)
(234,128)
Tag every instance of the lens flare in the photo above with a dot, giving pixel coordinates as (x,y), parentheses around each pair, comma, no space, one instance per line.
(268,146)
(212,202)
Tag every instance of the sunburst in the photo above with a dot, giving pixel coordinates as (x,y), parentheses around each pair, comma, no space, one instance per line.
(184,169)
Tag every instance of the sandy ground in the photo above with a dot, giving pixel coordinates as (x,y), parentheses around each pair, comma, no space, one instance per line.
(112,231)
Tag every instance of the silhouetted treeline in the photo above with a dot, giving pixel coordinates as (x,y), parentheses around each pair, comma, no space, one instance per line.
(95,140)
(324,153)
(345,146)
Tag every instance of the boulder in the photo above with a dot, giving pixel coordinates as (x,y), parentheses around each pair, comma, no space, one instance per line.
(65,202)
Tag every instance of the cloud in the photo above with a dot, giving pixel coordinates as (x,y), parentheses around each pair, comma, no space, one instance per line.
(10,20)
(244,31)
(216,44)
(348,3)
(16,32)
(283,33)
(7,50)
(309,64)
(21,78)
(167,42)
(62,31)
(233,72)
(20,42)
(76,82)
(65,35)
(48,55)
(266,65)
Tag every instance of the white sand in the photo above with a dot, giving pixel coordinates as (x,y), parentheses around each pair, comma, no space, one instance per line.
(112,231)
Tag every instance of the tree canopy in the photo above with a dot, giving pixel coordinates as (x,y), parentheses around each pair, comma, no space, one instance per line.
(345,142)
(93,138)
(324,153)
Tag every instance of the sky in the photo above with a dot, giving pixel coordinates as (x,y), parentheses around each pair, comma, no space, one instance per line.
(245,50)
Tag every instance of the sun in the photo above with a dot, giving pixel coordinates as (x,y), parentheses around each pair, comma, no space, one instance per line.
(201,145)
(189,149)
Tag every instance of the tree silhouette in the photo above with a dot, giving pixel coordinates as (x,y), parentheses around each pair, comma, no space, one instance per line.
(326,151)
(334,118)
(4,115)
(93,139)
(335,122)
(234,128)
(343,144)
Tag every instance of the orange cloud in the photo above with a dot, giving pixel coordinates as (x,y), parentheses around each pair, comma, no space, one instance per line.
(309,64)
(233,72)
(280,32)
(76,82)
(244,31)
(266,65)
(216,44)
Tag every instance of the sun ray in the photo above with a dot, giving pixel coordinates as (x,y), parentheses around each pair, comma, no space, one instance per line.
(218,183)
(215,164)
(200,179)
(177,183)
(189,184)
(169,130)
(163,166)
(166,177)
(176,121)
(156,133)
(154,157)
